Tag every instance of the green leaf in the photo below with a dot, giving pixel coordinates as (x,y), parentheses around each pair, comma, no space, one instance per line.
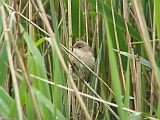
(39,62)
(58,77)
(5,103)
(29,108)
(127,93)
(1,25)
(114,74)
(43,101)
(142,60)
(75,19)
(40,41)
(135,116)
(118,18)
(57,68)
(3,63)
(157,9)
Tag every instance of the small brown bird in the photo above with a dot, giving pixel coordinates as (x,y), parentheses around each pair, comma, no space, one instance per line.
(86,54)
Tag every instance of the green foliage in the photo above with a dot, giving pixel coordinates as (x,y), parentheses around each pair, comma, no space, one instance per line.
(75,20)
(3,63)
(114,75)
(157,5)
(118,18)
(39,64)
(6,102)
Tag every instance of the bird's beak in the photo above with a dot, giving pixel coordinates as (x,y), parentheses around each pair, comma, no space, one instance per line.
(72,46)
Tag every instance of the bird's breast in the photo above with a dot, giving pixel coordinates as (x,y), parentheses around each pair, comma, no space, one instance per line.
(86,57)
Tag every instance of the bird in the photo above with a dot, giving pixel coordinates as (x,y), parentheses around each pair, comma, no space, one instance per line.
(86,54)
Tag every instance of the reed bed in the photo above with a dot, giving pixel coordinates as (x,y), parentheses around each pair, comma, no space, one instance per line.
(37,80)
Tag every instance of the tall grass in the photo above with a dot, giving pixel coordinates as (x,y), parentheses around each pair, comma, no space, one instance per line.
(36,77)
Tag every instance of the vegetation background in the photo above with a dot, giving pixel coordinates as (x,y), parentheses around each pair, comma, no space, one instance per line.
(36,78)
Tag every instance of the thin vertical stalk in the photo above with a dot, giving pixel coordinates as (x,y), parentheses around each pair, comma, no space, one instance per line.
(86,20)
(152,76)
(15,83)
(97,45)
(95,36)
(65,31)
(127,93)
(98,51)
(138,85)
(134,77)
(70,24)
(74,107)
(117,43)
(79,14)
(30,17)
(130,48)
(114,73)
(19,9)
(64,21)
(70,98)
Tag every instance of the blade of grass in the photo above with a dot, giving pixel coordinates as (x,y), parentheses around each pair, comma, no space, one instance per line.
(43,100)
(127,93)
(57,71)
(75,20)
(3,63)
(39,61)
(58,77)
(114,75)
(157,9)
(143,61)
(5,102)
(29,108)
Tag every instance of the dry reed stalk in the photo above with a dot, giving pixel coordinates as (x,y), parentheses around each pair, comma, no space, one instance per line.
(138,85)
(11,62)
(26,77)
(152,76)
(30,18)
(137,8)
(134,78)
(130,48)
(98,53)
(123,87)
(70,98)
(86,15)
